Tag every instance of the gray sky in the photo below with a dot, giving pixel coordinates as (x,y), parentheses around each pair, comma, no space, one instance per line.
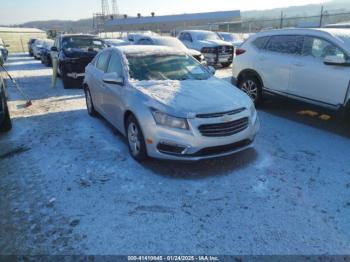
(19,11)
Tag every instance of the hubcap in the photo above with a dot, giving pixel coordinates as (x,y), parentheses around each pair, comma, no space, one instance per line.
(250,88)
(133,138)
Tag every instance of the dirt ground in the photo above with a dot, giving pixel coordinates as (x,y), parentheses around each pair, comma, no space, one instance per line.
(69,186)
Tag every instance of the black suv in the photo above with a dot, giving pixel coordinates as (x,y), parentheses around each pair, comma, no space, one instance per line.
(30,46)
(74,53)
(5,120)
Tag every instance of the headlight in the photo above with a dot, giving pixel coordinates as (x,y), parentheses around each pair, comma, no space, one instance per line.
(169,121)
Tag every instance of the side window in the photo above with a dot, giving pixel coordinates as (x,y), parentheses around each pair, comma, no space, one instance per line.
(144,41)
(185,37)
(102,61)
(261,42)
(286,44)
(319,48)
(188,37)
(115,65)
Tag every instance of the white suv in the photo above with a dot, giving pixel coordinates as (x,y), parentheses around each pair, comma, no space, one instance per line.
(311,65)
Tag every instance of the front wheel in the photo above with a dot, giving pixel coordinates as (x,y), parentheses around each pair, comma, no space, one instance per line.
(252,87)
(7,124)
(136,141)
(89,104)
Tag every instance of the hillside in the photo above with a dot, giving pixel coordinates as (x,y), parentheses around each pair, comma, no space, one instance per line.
(85,25)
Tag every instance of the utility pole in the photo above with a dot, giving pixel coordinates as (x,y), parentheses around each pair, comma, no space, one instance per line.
(321,17)
(115,8)
(105,7)
(281,22)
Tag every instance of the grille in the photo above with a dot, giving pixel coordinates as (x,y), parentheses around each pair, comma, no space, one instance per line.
(224,129)
(225,50)
(209,151)
(221,114)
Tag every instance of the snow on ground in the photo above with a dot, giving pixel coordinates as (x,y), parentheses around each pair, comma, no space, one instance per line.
(69,186)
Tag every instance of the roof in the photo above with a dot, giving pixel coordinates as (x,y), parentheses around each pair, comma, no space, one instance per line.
(223,15)
(71,35)
(144,50)
(20,30)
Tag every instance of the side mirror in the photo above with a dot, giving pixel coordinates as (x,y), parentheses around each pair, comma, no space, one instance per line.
(334,60)
(211,70)
(54,49)
(113,79)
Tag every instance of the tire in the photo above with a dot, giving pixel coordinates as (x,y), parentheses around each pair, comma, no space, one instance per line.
(89,103)
(7,124)
(224,65)
(251,85)
(136,140)
(67,83)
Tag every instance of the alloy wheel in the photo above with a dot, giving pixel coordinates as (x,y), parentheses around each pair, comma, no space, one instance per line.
(250,88)
(133,138)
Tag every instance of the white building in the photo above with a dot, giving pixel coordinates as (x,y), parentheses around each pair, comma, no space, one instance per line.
(174,23)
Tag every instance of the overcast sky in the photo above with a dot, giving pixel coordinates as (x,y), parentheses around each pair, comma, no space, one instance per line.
(19,11)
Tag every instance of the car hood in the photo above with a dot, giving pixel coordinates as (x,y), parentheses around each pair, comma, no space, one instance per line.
(213,43)
(190,97)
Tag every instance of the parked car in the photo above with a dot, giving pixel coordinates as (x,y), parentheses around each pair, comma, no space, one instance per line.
(133,37)
(5,119)
(37,48)
(168,105)
(115,42)
(235,39)
(74,53)
(310,65)
(3,49)
(215,50)
(171,42)
(30,46)
(46,52)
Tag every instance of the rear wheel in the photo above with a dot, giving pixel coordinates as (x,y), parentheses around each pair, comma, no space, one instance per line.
(136,141)
(251,85)
(6,125)
(226,64)
(67,83)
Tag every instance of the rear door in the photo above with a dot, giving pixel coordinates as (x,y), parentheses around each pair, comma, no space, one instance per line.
(312,79)
(274,61)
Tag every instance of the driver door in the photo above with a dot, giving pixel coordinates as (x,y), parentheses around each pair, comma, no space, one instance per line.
(113,94)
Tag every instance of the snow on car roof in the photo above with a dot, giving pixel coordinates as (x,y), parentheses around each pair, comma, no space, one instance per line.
(144,50)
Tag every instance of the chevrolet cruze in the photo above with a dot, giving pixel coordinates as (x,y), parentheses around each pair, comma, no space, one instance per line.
(168,105)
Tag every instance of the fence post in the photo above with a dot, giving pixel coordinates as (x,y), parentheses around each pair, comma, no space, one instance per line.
(321,17)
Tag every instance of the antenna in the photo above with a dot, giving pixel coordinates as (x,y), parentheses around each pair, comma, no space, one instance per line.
(115,8)
(105,7)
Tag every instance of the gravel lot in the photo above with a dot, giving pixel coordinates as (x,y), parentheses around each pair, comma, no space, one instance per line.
(69,186)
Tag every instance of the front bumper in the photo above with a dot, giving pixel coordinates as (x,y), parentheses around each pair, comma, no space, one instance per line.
(181,145)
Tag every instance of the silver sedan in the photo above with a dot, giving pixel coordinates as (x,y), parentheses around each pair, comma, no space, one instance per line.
(168,105)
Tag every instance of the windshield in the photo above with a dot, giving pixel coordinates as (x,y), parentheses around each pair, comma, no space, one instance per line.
(171,43)
(208,36)
(229,37)
(82,43)
(167,67)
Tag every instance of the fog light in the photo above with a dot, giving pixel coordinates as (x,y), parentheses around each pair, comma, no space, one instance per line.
(171,148)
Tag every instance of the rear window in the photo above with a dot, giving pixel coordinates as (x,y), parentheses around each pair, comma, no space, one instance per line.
(261,42)
(286,44)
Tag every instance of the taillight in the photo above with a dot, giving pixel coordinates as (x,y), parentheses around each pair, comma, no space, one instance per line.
(240,51)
